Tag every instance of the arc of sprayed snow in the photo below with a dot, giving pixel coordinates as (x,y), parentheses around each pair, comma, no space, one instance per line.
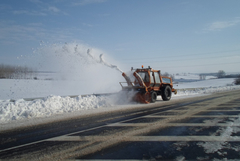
(89,54)
(109,65)
(102,61)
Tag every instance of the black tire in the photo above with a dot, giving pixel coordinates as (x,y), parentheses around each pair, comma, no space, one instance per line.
(153,97)
(166,93)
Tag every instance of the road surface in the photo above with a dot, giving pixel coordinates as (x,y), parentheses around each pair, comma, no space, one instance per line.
(202,128)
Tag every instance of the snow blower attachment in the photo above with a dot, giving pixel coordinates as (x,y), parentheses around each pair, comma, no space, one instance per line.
(148,84)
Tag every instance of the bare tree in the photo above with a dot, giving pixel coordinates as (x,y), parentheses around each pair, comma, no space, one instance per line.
(169,75)
(202,77)
(221,74)
(166,74)
(237,80)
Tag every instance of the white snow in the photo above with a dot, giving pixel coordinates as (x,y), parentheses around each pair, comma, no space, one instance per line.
(225,133)
(192,76)
(187,76)
(205,90)
(77,71)
(206,83)
(48,106)
(60,103)
(18,89)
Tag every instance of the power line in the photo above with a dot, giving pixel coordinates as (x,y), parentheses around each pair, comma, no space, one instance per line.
(180,55)
(182,59)
(200,65)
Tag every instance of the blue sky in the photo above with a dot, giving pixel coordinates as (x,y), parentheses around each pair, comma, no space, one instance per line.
(174,35)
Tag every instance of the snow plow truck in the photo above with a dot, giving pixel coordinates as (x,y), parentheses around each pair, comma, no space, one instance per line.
(147,84)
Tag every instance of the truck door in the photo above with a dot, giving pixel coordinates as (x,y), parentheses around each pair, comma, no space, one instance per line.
(152,83)
(157,80)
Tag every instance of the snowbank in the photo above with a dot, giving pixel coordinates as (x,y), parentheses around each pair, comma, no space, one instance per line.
(53,105)
(58,103)
(207,90)
(48,106)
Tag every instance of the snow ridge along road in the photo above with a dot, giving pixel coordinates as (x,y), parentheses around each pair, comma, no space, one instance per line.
(22,112)
(198,128)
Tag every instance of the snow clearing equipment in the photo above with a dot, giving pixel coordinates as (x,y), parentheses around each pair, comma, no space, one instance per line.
(148,84)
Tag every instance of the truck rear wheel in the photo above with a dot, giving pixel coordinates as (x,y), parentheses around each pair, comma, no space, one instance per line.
(166,93)
(153,97)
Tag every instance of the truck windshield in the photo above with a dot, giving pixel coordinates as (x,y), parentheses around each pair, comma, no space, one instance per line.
(144,76)
(166,80)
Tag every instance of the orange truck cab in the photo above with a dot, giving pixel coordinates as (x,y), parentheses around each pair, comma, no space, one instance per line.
(148,84)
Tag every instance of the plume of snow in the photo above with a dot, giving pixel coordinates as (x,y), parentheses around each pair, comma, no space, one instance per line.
(102,61)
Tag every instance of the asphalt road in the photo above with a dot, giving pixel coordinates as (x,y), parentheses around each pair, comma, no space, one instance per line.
(203,128)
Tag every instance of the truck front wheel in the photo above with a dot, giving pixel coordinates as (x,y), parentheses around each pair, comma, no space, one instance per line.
(153,97)
(166,93)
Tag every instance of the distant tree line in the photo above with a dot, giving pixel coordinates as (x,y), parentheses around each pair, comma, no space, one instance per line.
(16,72)
(219,74)
(222,74)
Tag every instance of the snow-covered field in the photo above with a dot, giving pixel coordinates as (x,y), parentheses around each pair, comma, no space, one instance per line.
(60,103)
(205,86)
